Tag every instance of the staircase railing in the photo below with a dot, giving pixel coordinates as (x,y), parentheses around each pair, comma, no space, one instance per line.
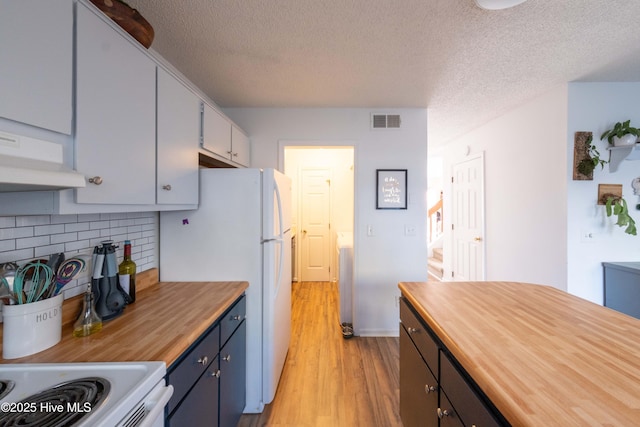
(435,220)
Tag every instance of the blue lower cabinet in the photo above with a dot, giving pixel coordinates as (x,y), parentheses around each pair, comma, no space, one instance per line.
(210,381)
(233,375)
(200,407)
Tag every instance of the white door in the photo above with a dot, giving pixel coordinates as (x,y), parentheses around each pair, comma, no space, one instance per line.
(315,238)
(468,220)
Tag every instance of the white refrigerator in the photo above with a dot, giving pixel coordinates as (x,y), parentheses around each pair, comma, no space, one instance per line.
(240,232)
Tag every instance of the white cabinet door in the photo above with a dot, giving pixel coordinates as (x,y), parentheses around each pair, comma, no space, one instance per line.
(240,147)
(216,132)
(36,48)
(115,115)
(178,134)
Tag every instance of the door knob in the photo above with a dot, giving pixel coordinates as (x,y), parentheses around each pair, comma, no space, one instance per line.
(96,180)
(304,231)
(477,239)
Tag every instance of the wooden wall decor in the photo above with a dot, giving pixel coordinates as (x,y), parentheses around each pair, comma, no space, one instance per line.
(608,190)
(581,152)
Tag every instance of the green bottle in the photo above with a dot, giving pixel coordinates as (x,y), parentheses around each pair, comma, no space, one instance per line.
(127,272)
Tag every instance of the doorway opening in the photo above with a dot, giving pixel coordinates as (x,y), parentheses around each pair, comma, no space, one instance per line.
(323,195)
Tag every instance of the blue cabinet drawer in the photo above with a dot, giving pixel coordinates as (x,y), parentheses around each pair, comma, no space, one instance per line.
(420,336)
(183,374)
(232,319)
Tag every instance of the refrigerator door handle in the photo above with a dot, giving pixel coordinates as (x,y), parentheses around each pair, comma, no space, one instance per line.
(280,238)
(279,200)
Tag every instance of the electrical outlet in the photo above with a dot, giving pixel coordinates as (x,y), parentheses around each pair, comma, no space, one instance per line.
(409,230)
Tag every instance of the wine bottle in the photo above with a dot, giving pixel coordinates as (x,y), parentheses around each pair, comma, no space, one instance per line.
(127,272)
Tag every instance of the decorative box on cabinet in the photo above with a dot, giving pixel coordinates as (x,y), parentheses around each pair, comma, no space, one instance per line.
(36,41)
(433,391)
(209,379)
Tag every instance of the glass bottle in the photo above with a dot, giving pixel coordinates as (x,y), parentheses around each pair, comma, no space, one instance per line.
(127,272)
(89,320)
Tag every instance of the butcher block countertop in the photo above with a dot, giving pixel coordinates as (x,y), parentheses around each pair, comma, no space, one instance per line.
(542,356)
(165,320)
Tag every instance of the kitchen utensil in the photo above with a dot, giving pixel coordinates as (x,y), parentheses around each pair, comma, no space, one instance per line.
(66,272)
(8,272)
(5,291)
(109,297)
(38,275)
(55,260)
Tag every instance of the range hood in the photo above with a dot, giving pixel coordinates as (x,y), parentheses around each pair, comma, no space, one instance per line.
(29,164)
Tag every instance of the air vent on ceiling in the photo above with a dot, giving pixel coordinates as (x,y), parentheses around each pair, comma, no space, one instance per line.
(385,121)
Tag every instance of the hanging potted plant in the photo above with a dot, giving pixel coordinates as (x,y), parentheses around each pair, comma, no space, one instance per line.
(622,134)
(618,206)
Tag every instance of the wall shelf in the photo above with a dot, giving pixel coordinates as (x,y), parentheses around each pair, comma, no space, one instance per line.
(618,154)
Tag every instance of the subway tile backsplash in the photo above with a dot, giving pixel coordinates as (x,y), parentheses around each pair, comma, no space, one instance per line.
(23,238)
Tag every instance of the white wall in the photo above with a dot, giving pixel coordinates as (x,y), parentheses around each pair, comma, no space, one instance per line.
(525,188)
(388,257)
(595,107)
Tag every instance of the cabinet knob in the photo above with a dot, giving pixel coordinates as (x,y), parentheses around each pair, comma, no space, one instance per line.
(442,413)
(235,154)
(167,187)
(97,180)
(229,152)
(203,360)
(477,239)
(227,358)
(236,317)
(429,388)
(215,374)
(412,330)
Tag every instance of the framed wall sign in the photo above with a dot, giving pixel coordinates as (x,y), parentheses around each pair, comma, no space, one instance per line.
(391,188)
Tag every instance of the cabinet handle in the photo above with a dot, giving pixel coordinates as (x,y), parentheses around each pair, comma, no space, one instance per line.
(203,360)
(215,374)
(97,180)
(236,317)
(229,152)
(442,413)
(167,187)
(412,330)
(235,154)
(227,358)
(429,388)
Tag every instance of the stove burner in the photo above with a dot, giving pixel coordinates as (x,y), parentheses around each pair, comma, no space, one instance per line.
(5,387)
(62,405)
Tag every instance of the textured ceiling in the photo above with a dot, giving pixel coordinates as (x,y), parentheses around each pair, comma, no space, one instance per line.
(465,64)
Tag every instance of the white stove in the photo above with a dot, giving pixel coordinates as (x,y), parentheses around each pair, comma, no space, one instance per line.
(107,394)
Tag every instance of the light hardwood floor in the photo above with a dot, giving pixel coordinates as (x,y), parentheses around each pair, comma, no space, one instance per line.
(329,381)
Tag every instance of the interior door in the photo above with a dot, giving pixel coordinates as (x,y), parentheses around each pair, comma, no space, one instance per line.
(468,220)
(315,238)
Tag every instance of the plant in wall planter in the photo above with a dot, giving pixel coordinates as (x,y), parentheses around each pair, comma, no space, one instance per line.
(622,134)
(589,163)
(618,206)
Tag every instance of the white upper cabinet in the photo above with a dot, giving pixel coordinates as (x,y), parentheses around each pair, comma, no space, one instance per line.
(223,138)
(216,132)
(240,147)
(178,135)
(36,60)
(115,115)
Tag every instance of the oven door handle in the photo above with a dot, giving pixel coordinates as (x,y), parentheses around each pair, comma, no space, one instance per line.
(158,402)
